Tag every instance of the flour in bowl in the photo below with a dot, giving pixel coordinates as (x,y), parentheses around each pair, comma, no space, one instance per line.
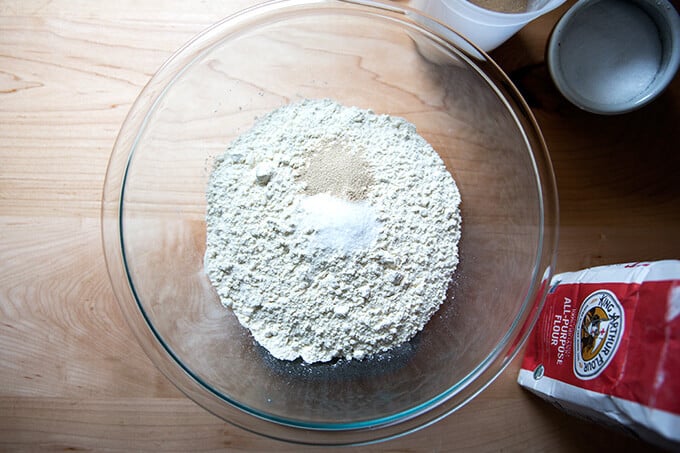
(332,232)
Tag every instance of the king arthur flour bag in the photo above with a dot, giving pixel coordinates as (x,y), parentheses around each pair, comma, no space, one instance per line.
(607,348)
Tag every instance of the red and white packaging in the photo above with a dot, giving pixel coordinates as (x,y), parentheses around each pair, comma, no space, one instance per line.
(607,348)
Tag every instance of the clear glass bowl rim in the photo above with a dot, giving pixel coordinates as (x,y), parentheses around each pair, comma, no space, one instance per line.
(232,411)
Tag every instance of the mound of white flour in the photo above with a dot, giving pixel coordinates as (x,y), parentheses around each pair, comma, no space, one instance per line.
(346,273)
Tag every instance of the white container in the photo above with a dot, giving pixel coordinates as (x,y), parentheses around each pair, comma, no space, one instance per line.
(486,28)
(614,56)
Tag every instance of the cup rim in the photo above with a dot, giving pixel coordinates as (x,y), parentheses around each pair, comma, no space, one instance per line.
(512,18)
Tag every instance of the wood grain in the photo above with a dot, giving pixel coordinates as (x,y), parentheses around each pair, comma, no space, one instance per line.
(72,376)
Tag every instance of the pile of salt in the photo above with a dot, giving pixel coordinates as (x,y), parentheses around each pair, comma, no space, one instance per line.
(337,224)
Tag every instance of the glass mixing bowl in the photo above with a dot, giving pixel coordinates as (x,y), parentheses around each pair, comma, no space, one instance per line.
(365,54)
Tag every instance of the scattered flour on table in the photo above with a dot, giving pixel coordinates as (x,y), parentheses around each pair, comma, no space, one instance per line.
(331,231)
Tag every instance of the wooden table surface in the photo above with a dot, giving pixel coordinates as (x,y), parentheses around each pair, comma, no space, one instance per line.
(72,376)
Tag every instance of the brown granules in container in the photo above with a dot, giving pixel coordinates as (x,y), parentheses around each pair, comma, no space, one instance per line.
(503,6)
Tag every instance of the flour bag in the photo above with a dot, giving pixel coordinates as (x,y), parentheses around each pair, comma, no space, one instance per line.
(607,348)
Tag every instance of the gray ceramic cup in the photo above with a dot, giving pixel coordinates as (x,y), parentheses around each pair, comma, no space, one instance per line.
(614,56)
